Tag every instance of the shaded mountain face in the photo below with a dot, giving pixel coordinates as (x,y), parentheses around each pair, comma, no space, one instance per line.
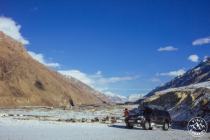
(26,82)
(185,96)
(200,73)
(185,102)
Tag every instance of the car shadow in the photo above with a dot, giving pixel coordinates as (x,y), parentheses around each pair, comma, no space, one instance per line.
(178,127)
(173,127)
(124,127)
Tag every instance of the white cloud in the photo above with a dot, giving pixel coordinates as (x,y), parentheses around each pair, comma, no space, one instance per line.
(96,80)
(156,80)
(167,48)
(78,75)
(173,73)
(201,41)
(193,58)
(12,29)
(40,58)
(107,80)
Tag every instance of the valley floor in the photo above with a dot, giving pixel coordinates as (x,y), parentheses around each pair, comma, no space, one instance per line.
(11,129)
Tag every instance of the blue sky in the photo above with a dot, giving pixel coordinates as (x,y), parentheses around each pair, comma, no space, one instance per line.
(113,45)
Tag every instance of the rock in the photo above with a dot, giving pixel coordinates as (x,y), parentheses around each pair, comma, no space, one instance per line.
(4,115)
(96,119)
(83,120)
(71,120)
(113,120)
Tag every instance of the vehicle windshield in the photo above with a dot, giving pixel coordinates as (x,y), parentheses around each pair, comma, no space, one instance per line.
(136,111)
(154,107)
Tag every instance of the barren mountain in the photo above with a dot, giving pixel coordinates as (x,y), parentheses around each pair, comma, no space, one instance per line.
(26,82)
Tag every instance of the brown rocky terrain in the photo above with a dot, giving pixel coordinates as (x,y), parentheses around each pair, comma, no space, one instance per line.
(26,82)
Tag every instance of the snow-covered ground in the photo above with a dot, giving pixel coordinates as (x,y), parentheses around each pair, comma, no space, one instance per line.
(43,124)
(11,129)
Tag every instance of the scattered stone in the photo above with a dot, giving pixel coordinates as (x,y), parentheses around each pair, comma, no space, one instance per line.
(113,120)
(83,120)
(71,120)
(59,120)
(10,115)
(4,115)
(96,119)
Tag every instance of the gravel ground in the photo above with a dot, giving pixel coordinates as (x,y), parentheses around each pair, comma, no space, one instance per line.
(11,129)
(77,113)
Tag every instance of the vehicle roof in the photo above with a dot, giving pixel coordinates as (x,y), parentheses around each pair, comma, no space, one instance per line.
(153,107)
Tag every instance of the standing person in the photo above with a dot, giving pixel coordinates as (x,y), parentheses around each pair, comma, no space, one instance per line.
(126,112)
(126,115)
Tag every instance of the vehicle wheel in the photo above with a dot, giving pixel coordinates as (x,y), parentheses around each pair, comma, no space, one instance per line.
(151,128)
(147,125)
(129,126)
(165,126)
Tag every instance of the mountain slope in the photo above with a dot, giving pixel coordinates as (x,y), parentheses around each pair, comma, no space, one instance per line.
(185,96)
(25,82)
(185,102)
(200,73)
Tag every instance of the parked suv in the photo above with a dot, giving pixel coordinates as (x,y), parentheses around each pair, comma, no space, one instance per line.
(148,117)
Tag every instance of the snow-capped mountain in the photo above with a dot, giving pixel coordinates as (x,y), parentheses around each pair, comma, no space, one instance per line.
(185,96)
(185,102)
(134,97)
(200,73)
(116,98)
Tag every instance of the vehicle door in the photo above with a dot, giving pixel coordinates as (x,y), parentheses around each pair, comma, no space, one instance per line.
(154,116)
(160,116)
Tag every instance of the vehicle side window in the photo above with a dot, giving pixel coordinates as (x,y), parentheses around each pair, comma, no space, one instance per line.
(147,112)
(155,112)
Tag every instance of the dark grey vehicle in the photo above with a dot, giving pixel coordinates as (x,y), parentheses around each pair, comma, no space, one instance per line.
(148,117)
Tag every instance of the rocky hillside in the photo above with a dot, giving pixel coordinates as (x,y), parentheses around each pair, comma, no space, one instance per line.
(200,73)
(185,96)
(26,82)
(185,102)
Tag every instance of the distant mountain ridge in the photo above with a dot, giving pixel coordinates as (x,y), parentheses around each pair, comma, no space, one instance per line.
(115,98)
(200,73)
